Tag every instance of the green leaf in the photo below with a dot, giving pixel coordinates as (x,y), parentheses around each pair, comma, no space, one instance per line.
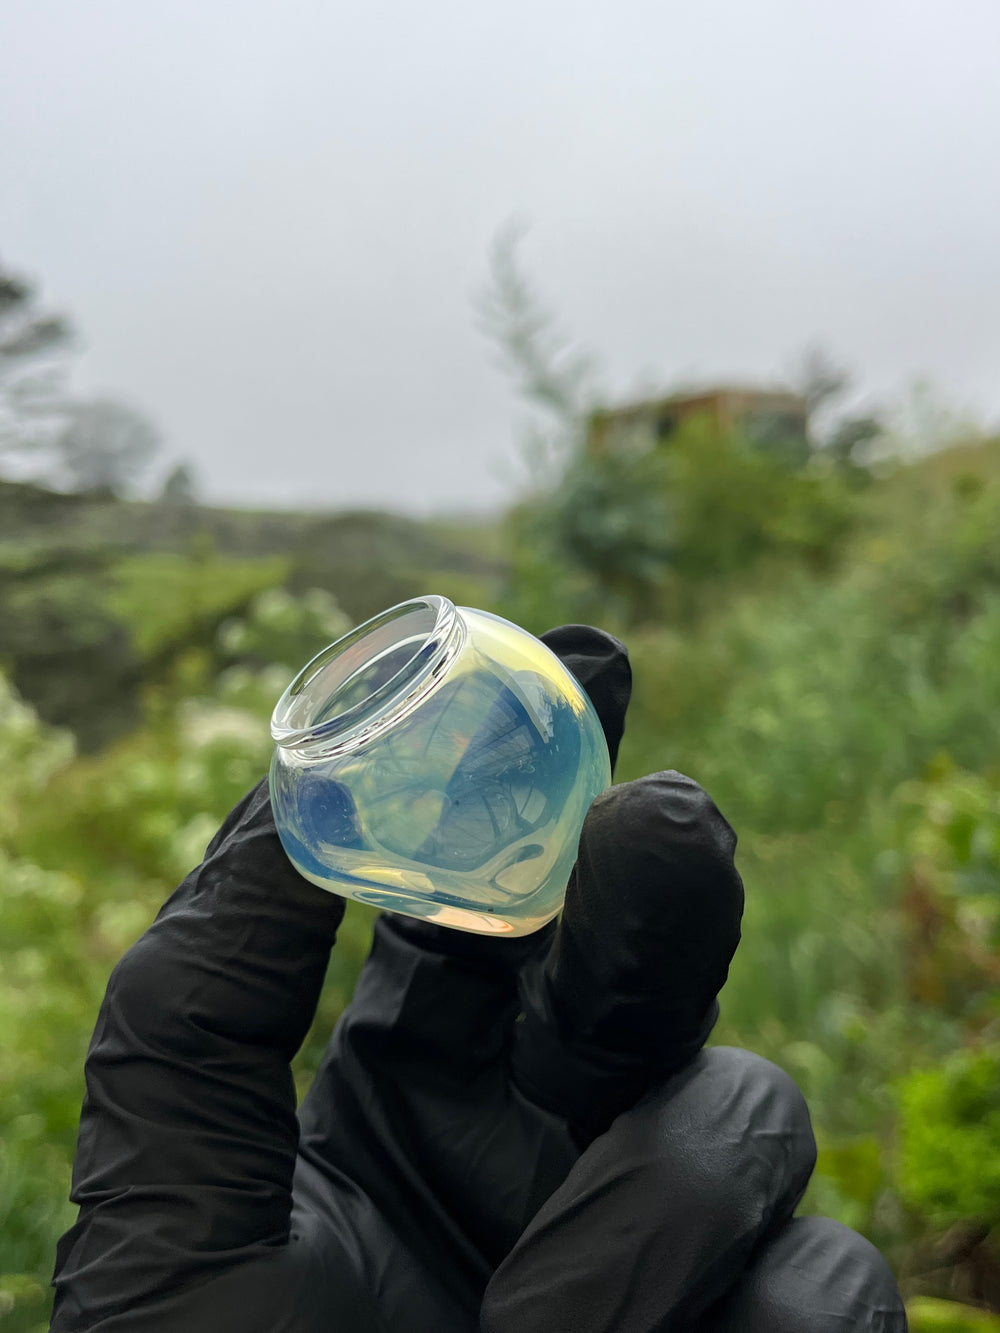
(927,1314)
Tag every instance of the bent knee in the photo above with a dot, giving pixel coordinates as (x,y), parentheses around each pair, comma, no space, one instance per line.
(813,1273)
(735,1086)
(761,1091)
(738,1129)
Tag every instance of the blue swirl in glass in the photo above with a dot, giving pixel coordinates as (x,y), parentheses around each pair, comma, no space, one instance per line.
(438,761)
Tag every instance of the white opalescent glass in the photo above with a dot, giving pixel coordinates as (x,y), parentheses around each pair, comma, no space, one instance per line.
(438,761)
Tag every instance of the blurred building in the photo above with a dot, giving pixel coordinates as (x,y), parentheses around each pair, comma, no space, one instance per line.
(772,419)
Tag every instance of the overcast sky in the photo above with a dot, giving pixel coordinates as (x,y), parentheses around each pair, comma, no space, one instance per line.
(269,221)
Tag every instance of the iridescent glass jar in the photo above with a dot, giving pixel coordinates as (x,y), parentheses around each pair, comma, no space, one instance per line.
(438,761)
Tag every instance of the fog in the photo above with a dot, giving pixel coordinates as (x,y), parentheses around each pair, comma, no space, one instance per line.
(270,223)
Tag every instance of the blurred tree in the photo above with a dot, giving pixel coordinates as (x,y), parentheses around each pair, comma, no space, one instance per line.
(848,438)
(45,436)
(179,488)
(33,347)
(103,446)
(549,371)
(611,518)
(821,380)
(818,378)
(606,518)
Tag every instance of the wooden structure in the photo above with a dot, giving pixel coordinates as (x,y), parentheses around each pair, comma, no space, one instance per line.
(770,418)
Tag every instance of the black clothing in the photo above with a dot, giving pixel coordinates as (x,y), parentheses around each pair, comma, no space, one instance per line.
(518,1135)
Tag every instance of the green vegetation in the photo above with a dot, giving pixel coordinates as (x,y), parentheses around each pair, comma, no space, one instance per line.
(929,1315)
(818,648)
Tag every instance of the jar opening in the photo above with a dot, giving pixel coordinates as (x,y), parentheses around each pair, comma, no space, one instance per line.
(367,678)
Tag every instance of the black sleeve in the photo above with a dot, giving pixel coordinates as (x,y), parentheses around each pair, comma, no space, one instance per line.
(188,1134)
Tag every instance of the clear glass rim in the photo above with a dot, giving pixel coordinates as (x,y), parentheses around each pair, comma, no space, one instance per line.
(393,699)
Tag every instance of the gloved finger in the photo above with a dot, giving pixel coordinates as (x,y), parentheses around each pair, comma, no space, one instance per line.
(652,919)
(660,1215)
(600,663)
(813,1275)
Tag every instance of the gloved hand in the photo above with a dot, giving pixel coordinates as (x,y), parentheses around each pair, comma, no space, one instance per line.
(520,1136)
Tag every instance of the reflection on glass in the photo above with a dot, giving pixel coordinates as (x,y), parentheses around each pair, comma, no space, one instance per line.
(438,762)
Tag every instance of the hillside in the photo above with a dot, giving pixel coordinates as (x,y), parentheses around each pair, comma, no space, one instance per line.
(103,595)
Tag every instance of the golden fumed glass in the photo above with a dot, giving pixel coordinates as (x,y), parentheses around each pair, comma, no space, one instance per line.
(438,761)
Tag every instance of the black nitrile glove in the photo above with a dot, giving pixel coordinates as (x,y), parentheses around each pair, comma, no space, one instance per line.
(517,1136)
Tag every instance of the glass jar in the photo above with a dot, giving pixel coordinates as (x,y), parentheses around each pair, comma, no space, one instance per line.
(438,761)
